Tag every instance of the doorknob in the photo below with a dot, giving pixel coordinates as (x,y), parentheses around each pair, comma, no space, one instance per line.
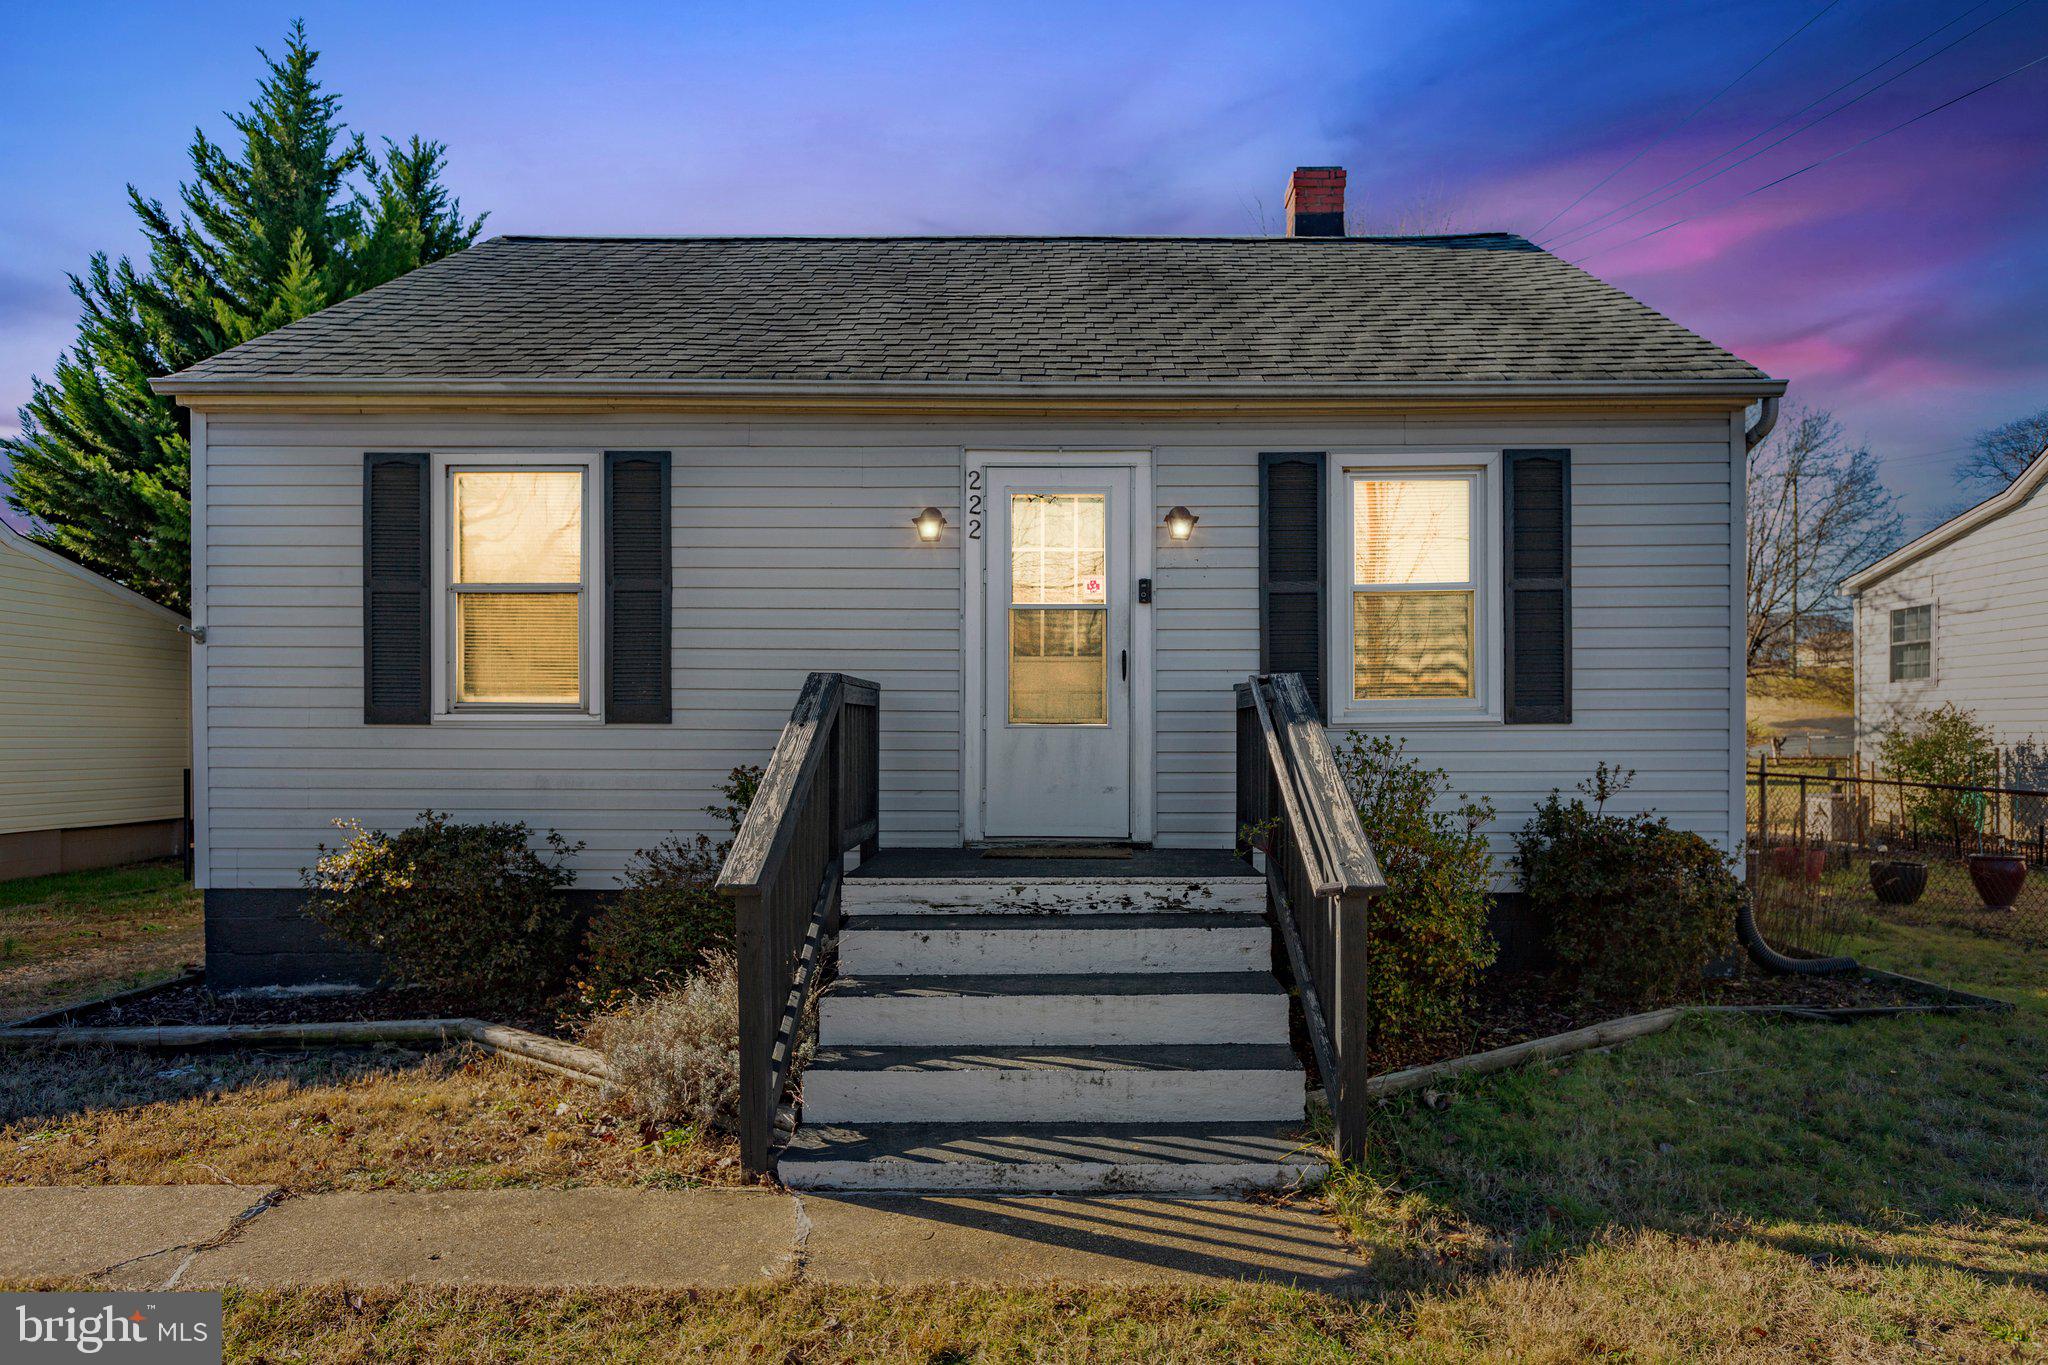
(1124,657)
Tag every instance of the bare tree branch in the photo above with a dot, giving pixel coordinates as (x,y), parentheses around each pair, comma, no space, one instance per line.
(1817,511)
(1998,454)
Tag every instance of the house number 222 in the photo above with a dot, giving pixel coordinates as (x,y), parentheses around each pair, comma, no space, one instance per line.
(973,504)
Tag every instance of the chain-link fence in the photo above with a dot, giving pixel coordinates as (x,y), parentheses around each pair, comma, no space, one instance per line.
(1832,850)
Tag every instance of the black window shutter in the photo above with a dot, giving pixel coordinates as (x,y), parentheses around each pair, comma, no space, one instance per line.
(636,587)
(1539,587)
(396,506)
(1291,566)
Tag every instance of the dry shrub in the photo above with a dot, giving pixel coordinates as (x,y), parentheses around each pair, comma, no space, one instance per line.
(675,1053)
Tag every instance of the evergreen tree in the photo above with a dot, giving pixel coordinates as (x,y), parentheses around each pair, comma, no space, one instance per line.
(300,216)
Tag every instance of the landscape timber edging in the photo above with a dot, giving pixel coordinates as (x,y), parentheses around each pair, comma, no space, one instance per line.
(530,1049)
(191,976)
(1611,1031)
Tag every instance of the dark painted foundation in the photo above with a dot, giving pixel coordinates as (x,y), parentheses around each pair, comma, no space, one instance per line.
(266,938)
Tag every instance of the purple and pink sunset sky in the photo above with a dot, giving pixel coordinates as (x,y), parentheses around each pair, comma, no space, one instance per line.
(1903,284)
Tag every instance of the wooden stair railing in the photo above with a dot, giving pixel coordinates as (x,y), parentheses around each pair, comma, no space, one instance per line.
(1320,875)
(819,796)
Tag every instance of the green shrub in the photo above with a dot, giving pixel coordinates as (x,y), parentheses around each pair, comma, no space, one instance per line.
(1634,908)
(469,910)
(670,910)
(1946,744)
(1428,928)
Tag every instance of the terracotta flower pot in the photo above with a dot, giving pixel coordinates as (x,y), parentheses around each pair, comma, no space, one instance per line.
(1793,863)
(1899,882)
(1998,878)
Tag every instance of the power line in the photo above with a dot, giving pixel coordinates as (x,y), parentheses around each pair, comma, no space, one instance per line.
(1811,165)
(1589,228)
(1659,139)
(1582,234)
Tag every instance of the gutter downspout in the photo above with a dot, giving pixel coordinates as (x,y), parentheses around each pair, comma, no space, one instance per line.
(1766,423)
(1746,930)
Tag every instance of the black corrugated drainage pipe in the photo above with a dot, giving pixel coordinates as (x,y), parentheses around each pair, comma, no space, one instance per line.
(1771,960)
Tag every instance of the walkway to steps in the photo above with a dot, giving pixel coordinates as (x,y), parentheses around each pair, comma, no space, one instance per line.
(1064,1024)
(213,1236)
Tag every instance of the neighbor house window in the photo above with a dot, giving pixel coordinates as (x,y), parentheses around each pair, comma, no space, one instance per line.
(518,587)
(1912,643)
(1415,615)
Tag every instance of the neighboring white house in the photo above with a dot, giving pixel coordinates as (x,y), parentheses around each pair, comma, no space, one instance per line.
(93,717)
(621,494)
(1960,616)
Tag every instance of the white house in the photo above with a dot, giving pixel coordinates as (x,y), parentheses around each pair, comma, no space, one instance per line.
(1960,616)
(93,698)
(556,528)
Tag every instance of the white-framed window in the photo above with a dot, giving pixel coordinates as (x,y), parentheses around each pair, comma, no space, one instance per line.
(1912,643)
(1415,618)
(517,614)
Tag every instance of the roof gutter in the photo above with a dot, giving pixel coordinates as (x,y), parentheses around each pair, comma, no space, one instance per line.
(186,385)
(1766,422)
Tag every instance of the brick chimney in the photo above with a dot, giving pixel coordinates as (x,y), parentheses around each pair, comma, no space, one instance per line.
(1315,202)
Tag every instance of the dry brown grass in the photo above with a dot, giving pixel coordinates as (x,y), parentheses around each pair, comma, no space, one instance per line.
(1643,1296)
(324,1121)
(88,934)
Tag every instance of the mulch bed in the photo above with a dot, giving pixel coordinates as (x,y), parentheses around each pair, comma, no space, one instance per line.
(1515,1007)
(197,1005)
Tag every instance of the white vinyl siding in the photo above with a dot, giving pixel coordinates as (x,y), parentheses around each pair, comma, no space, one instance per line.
(1988,631)
(794,551)
(92,702)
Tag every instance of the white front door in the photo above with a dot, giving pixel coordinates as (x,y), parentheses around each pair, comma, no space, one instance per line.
(1057,715)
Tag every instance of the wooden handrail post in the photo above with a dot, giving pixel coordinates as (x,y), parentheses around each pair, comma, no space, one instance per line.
(783,872)
(1321,874)
(872,779)
(1346,1091)
(757,1030)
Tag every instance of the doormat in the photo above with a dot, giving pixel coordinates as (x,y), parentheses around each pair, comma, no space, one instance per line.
(1056,851)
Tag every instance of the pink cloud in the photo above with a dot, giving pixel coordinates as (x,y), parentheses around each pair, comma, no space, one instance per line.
(1700,242)
(1812,354)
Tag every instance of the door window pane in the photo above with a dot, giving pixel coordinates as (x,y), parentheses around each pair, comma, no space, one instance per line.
(1059,666)
(1412,644)
(518,526)
(1056,548)
(518,648)
(1411,531)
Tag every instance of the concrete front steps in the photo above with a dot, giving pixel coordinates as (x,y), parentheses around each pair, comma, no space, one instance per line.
(1052,1028)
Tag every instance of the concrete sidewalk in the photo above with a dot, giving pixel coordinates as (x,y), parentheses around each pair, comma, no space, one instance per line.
(202,1237)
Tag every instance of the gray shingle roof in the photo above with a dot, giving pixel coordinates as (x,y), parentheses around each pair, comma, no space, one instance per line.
(1383,312)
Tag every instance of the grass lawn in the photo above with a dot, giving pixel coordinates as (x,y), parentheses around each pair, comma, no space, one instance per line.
(1729,1190)
(86,934)
(1761,1191)
(1816,691)
(324,1120)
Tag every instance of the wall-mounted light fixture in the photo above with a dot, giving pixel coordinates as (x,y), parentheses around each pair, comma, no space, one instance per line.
(930,523)
(1180,523)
